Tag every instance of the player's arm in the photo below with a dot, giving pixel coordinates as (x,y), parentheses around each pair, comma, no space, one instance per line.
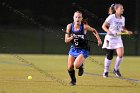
(95,33)
(124,30)
(105,27)
(68,38)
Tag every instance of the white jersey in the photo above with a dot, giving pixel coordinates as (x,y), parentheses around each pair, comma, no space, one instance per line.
(115,26)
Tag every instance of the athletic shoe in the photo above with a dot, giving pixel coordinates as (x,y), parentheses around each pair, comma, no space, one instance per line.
(81,70)
(72,83)
(72,76)
(117,73)
(105,75)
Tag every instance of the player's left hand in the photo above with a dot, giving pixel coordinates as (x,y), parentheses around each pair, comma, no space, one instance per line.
(129,32)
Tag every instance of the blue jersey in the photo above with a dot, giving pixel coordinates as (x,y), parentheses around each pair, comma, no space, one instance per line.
(80,41)
(79,32)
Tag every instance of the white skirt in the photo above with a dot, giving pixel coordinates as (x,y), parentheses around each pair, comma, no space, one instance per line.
(112,42)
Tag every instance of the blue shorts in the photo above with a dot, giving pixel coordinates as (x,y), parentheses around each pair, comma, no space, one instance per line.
(75,52)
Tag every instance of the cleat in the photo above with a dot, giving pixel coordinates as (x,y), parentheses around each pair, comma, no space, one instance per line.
(105,75)
(72,83)
(73,78)
(117,73)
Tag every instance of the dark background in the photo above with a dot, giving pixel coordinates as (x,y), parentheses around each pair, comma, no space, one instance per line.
(34,26)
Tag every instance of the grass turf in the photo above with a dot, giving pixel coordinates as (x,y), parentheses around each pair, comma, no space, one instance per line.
(50,75)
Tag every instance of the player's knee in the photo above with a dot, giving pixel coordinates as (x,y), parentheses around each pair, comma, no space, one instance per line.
(76,66)
(110,57)
(110,53)
(120,56)
(70,67)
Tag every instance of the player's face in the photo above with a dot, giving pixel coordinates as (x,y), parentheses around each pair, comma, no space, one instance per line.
(120,10)
(77,18)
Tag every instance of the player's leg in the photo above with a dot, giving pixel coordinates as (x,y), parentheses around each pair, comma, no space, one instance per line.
(107,62)
(78,64)
(120,53)
(71,70)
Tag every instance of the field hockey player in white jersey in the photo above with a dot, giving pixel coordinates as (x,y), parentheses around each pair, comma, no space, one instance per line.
(114,23)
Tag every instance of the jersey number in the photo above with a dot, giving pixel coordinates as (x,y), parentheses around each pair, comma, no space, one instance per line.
(76,42)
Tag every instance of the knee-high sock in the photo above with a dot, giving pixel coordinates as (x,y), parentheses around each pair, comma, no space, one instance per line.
(107,63)
(117,63)
(72,75)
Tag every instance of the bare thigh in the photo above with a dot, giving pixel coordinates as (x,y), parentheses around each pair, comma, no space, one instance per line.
(71,60)
(78,61)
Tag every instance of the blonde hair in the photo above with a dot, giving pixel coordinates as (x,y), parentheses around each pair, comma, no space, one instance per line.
(113,7)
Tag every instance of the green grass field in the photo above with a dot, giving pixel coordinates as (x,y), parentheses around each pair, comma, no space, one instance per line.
(50,75)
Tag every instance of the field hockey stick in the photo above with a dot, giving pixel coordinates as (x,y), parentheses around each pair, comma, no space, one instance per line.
(119,33)
(132,36)
(63,30)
